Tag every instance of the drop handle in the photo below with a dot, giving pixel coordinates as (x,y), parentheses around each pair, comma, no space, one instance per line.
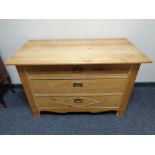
(78,100)
(77,84)
(77,69)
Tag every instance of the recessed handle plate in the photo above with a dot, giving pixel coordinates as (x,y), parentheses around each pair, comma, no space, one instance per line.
(77,69)
(78,100)
(77,84)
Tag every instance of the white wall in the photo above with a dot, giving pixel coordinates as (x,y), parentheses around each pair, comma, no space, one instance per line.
(14,33)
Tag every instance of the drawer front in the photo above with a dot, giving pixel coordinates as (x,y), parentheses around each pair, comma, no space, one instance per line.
(77,71)
(78,86)
(78,101)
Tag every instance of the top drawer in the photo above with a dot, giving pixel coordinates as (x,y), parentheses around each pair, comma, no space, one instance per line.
(77,71)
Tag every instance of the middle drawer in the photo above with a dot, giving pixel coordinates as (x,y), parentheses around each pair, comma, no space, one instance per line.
(52,86)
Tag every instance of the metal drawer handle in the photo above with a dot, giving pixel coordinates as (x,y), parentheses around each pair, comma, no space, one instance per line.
(78,100)
(77,84)
(77,69)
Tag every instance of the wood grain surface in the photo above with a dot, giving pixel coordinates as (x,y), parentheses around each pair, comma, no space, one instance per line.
(60,52)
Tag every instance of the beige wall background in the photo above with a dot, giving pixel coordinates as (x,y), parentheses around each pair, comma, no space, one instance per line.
(14,33)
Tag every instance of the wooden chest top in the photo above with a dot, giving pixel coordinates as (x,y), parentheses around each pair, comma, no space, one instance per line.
(53,52)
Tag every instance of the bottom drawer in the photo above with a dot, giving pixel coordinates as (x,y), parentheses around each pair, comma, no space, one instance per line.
(97,101)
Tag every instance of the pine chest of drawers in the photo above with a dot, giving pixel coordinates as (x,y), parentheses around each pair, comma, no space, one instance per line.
(78,75)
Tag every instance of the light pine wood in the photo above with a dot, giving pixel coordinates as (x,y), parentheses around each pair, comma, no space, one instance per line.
(104,51)
(78,75)
(77,72)
(28,91)
(127,93)
(84,101)
(88,86)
